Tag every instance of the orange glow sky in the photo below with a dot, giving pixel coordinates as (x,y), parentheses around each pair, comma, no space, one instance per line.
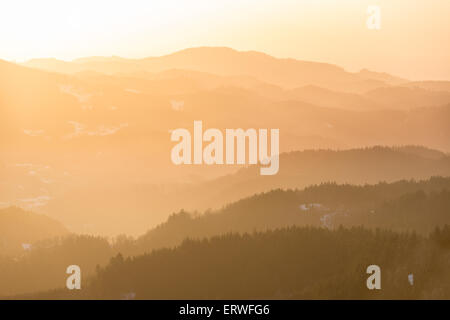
(413,41)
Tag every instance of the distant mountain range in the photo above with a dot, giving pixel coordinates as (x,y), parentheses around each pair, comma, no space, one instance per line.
(95,132)
(228,62)
(85,154)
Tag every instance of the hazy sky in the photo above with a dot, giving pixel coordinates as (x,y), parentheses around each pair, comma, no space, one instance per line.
(413,40)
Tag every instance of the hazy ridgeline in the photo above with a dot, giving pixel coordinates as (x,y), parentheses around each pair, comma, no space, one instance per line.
(410,209)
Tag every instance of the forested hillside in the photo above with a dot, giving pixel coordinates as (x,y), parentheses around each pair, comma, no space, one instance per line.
(404,206)
(292,263)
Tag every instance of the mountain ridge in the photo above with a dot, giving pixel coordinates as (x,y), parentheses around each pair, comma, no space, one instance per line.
(287,72)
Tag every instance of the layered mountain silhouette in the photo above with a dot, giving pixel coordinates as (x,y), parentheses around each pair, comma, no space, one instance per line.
(95,132)
(226,61)
(20,230)
(301,169)
(295,263)
(419,208)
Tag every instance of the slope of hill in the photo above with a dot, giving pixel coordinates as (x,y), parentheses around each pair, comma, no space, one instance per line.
(407,97)
(300,169)
(19,228)
(403,206)
(429,85)
(44,266)
(331,99)
(294,263)
(381,76)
